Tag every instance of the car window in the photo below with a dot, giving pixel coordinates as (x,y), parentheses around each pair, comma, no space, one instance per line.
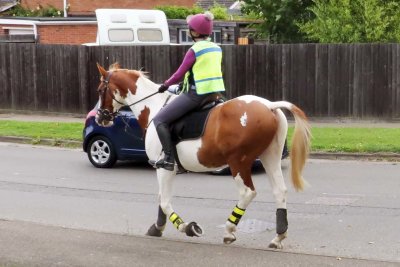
(126,108)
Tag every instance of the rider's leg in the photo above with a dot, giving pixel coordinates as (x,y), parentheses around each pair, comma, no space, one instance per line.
(171,112)
(164,135)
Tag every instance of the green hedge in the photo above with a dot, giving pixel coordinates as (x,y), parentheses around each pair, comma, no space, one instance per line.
(39,11)
(180,12)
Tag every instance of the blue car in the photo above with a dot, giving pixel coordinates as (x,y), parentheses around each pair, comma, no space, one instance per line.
(122,141)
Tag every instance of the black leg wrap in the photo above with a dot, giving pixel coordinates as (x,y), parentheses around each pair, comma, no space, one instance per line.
(281,221)
(162,218)
(153,231)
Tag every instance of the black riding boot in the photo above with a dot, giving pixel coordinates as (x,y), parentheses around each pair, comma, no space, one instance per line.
(164,135)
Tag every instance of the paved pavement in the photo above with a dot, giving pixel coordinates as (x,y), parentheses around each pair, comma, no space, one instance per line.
(30,244)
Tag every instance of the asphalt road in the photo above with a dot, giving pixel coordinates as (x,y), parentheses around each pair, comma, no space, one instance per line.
(58,210)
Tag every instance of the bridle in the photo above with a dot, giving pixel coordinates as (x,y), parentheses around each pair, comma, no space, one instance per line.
(105,114)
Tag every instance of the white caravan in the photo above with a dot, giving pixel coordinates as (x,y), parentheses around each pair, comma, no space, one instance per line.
(131,27)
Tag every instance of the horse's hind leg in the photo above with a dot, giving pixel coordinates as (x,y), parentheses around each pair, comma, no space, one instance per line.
(247,193)
(271,160)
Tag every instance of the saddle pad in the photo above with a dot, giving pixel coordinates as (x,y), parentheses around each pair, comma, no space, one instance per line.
(191,126)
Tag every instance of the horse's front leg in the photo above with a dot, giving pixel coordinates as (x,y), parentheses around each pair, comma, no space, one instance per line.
(165,181)
(246,194)
(157,228)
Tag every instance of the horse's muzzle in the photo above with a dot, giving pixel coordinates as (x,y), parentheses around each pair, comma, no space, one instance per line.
(104,118)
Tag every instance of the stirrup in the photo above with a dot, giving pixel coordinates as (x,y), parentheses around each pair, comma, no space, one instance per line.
(161,163)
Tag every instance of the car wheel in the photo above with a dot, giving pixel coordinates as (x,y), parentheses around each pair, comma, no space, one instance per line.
(101,152)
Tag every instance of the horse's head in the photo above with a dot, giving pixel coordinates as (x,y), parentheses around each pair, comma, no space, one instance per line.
(113,89)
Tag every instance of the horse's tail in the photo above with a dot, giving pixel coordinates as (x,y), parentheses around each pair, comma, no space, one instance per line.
(301,142)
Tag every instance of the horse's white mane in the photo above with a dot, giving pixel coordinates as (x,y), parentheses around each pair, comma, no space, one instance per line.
(142,73)
(116,66)
(139,73)
(146,79)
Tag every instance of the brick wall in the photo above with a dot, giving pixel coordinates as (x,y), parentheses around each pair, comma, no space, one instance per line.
(67,34)
(88,6)
(78,34)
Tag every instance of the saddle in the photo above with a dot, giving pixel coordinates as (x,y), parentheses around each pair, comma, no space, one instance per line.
(192,125)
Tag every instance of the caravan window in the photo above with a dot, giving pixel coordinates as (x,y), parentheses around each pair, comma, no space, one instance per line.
(149,35)
(184,37)
(120,35)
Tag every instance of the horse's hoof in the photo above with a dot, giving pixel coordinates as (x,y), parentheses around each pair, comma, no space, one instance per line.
(193,229)
(154,231)
(275,245)
(229,239)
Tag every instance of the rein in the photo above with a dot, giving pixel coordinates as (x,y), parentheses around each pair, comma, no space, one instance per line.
(109,116)
(107,81)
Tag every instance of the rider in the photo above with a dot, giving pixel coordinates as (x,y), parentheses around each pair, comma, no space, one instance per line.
(201,69)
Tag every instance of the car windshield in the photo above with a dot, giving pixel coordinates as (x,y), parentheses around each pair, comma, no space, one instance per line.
(124,108)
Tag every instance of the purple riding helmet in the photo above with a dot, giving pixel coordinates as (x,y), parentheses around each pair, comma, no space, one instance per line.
(201,23)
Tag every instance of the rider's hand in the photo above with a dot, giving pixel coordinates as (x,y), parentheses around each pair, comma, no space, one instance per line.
(163,88)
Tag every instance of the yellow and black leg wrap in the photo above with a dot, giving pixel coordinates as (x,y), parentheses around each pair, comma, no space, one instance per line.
(236,215)
(176,220)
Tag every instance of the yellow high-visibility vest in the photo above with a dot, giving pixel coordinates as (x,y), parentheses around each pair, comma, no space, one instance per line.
(207,73)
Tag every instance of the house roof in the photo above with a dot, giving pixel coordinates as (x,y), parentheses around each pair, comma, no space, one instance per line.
(6,4)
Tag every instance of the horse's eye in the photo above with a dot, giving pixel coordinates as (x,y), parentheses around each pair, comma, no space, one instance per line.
(101,89)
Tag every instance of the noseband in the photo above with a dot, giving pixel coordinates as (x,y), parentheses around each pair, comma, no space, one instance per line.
(105,114)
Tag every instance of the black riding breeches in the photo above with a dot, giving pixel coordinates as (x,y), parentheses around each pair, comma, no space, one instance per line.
(178,107)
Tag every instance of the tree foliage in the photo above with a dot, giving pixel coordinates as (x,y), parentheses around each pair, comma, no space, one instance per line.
(328,21)
(350,21)
(279,18)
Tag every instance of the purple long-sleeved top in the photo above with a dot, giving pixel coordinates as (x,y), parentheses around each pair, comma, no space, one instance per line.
(187,63)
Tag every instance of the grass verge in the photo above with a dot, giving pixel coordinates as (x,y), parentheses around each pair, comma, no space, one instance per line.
(325,139)
(38,131)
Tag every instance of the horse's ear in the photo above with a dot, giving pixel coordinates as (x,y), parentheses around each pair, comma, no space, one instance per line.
(102,71)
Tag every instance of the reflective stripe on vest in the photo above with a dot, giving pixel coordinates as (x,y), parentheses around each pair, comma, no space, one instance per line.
(207,73)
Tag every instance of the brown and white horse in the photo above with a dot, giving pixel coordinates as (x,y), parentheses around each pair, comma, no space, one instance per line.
(237,132)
